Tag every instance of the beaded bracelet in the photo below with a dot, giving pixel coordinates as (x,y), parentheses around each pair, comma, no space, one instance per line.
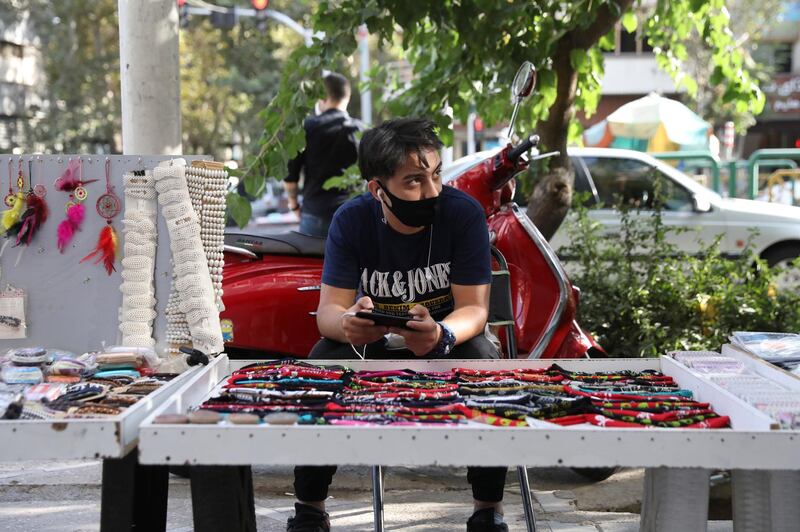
(10,321)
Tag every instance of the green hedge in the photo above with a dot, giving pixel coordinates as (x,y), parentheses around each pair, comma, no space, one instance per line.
(641,296)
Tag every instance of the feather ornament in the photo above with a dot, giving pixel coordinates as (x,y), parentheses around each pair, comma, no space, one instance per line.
(11,216)
(32,220)
(70,179)
(107,247)
(72,223)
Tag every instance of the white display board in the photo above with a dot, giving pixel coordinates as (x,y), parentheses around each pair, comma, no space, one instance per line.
(749,445)
(759,366)
(71,305)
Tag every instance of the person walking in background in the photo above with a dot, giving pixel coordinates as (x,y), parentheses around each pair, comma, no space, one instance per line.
(331,148)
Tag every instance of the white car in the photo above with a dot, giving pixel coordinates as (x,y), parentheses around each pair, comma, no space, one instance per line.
(610,173)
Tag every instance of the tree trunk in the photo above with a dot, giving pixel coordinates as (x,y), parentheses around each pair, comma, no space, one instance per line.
(552,196)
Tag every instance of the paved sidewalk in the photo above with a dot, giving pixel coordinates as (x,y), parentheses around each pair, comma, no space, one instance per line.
(65,496)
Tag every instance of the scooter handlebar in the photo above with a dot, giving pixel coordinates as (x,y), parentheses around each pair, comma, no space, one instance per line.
(514,153)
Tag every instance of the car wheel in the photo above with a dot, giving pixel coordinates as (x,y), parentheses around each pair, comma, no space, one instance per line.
(595,474)
(783,257)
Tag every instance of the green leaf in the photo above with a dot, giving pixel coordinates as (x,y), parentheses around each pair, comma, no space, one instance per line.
(238,208)
(629,21)
(608,41)
(254,185)
(579,60)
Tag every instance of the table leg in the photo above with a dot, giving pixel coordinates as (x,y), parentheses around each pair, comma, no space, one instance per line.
(134,496)
(765,501)
(675,499)
(784,499)
(377,498)
(527,499)
(222,498)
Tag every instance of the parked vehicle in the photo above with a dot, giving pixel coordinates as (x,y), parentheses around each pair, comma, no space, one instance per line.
(272,282)
(608,174)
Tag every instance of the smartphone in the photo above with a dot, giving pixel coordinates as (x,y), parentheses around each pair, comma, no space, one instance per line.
(387,320)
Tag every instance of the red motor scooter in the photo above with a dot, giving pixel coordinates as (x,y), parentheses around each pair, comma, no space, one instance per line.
(271,283)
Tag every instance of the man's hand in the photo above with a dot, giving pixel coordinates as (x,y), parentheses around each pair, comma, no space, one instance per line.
(358,330)
(291,194)
(423,334)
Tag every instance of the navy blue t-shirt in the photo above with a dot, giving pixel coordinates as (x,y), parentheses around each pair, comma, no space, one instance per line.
(395,270)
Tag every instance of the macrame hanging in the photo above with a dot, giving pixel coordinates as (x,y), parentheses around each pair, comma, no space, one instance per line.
(193,300)
(138,263)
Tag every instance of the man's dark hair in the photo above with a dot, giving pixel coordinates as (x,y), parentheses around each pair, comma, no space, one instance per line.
(336,86)
(384,149)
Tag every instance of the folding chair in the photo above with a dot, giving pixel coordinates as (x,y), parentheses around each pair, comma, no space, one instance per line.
(501,314)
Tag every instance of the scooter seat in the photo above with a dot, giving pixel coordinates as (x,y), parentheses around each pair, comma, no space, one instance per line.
(289,243)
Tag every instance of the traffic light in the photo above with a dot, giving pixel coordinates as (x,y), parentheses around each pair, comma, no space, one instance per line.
(261,13)
(183,14)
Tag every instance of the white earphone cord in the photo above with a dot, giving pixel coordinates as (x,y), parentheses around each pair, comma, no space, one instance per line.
(363,355)
(430,244)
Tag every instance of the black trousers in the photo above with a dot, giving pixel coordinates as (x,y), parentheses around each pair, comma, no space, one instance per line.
(311,482)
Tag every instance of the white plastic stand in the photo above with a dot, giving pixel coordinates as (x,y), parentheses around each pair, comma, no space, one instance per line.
(765,501)
(675,499)
(784,494)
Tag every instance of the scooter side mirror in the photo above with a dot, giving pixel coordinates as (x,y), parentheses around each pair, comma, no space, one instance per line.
(524,81)
(521,87)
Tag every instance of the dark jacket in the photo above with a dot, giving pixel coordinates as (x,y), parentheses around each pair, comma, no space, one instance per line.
(331,148)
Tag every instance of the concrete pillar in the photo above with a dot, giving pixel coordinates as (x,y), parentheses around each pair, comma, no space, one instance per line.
(150,77)
(447,151)
(471,132)
(363,68)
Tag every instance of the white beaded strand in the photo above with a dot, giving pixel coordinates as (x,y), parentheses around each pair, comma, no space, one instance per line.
(207,188)
(190,228)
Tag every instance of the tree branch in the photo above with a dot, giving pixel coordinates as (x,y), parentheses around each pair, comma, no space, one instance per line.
(585,38)
(552,196)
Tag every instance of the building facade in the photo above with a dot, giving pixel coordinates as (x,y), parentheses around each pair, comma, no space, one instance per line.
(21,83)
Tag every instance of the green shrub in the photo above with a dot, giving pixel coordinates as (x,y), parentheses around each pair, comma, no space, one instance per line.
(641,296)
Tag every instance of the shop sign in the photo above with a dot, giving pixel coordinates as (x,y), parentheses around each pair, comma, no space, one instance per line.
(783,96)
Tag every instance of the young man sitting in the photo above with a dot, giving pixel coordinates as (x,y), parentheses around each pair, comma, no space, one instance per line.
(407,246)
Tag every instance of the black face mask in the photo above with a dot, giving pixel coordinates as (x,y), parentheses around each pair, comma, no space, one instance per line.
(418,213)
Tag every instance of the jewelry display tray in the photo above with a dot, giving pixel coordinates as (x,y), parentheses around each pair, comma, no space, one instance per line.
(753,442)
(84,438)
